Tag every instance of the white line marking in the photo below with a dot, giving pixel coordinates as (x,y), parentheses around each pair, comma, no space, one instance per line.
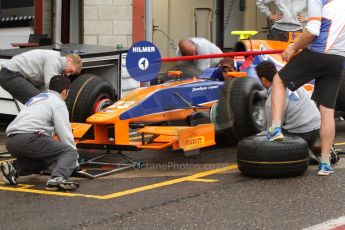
(328,224)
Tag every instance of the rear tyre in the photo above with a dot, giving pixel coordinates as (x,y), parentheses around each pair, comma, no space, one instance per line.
(257,157)
(240,111)
(88,94)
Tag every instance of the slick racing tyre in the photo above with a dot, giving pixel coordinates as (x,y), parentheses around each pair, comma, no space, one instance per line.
(240,110)
(88,94)
(257,157)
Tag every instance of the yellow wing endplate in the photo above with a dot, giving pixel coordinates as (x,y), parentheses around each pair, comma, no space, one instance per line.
(244,34)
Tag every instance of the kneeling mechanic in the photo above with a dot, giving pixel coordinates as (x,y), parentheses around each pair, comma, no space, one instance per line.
(30,139)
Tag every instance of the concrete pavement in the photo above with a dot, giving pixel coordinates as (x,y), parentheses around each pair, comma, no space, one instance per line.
(175,192)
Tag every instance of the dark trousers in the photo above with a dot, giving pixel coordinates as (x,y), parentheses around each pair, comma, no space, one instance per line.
(15,83)
(310,137)
(36,153)
(280,35)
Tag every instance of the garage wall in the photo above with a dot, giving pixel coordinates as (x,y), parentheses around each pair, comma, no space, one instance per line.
(108,22)
(233,20)
(46,17)
(174,20)
(254,19)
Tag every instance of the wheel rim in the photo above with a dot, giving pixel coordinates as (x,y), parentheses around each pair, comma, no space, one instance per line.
(101,104)
(257,111)
(213,113)
(213,117)
(258,115)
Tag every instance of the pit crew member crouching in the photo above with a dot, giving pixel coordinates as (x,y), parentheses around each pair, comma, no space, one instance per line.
(30,139)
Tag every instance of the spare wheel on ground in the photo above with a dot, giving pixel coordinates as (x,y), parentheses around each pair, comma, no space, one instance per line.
(258,157)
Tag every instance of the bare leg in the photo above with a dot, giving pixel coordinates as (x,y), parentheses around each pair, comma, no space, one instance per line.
(278,100)
(327,132)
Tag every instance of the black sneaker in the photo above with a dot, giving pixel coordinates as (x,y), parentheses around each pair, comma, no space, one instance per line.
(334,158)
(9,173)
(313,159)
(59,183)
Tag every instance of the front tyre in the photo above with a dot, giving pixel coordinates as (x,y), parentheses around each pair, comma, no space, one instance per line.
(240,110)
(88,94)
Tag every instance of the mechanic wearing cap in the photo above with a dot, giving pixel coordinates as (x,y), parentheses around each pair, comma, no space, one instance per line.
(199,46)
(225,65)
(30,139)
(28,74)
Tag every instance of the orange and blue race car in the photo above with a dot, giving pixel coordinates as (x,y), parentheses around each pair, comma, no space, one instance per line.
(184,114)
(181,114)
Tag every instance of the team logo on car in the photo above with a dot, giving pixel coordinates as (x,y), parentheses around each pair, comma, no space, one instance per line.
(195,140)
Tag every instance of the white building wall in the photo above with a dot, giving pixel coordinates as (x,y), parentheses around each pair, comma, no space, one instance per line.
(46,17)
(108,22)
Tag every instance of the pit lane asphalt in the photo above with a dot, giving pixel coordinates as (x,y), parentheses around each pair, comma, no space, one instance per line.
(227,200)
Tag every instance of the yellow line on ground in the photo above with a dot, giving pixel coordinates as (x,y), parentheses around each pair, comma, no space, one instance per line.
(44,192)
(21,185)
(26,185)
(339,143)
(122,193)
(169,182)
(203,180)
